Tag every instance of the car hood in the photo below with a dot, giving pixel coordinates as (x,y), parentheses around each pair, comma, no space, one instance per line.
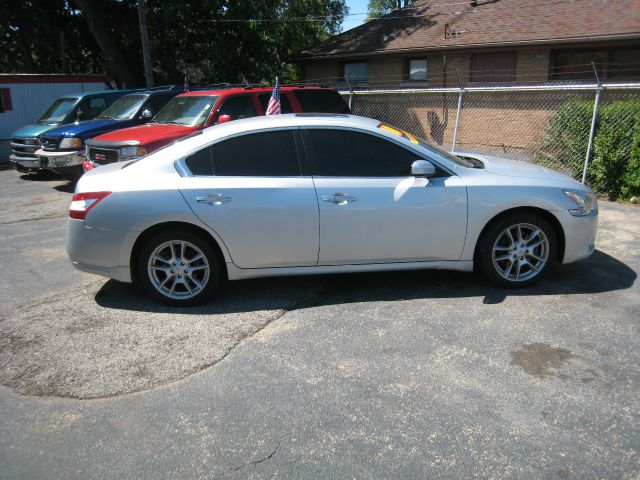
(514,168)
(32,130)
(88,127)
(147,134)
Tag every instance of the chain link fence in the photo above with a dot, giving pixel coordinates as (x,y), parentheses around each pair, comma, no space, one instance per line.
(547,125)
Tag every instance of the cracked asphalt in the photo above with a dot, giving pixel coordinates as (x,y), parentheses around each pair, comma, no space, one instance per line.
(395,375)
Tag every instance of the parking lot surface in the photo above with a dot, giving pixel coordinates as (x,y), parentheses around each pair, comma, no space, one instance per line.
(390,375)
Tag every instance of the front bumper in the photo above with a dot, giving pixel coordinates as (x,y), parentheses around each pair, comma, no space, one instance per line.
(579,235)
(55,160)
(100,251)
(25,162)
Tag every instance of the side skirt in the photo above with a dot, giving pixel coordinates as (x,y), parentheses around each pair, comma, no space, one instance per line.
(236,273)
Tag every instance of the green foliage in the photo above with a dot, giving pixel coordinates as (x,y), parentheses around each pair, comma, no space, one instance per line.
(377,8)
(616,147)
(615,163)
(208,40)
(567,136)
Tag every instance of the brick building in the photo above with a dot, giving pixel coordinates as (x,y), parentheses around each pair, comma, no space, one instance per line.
(506,42)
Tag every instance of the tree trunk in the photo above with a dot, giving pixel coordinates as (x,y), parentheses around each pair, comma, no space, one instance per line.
(115,60)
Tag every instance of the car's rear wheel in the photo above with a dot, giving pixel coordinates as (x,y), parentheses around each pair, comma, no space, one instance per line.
(179,268)
(517,250)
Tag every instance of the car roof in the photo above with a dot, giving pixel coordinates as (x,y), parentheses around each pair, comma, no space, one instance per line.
(248,125)
(98,92)
(232,90)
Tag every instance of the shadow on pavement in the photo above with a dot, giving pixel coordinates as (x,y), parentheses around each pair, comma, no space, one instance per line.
(599,273)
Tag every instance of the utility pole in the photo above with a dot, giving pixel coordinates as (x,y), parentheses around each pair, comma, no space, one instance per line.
(144,36)
(63,57)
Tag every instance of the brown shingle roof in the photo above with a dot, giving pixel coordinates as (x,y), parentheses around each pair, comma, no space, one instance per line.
(489,22)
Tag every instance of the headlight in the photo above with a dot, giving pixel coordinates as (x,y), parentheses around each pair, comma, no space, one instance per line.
(71,143)
(132,152)
(586,202)
(31,141)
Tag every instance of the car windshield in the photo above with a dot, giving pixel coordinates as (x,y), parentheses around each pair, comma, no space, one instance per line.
(427,146)
(58,110)
(124,108)
(191,110)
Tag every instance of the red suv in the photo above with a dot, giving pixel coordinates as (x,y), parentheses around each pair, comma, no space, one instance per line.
(196,110)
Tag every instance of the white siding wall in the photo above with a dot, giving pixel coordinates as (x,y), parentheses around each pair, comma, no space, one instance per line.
(30,100)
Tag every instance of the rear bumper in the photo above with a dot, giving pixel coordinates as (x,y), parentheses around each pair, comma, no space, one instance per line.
(579,235)
(100,251)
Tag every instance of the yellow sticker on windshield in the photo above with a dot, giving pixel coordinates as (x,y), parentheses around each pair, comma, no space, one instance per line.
(400,133)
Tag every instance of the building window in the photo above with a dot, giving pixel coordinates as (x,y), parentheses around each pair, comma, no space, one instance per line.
(576,64)
(418,70)
(624,64)
(5,100)
(356,73)
(497,67)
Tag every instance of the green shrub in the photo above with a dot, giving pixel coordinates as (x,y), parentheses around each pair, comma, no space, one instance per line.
(614,167)
(567,136)
(631,176)
(615,157)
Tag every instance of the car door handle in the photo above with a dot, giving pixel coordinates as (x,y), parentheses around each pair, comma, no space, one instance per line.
(339,198)
(214,199)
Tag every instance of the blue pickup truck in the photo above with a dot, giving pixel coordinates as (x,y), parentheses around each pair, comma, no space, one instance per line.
(62,148)
(66,109)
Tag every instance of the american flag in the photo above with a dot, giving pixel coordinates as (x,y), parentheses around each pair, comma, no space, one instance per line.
(274,102)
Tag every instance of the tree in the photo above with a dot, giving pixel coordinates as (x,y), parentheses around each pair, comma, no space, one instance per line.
(377,8)
(115,60)
(208,40)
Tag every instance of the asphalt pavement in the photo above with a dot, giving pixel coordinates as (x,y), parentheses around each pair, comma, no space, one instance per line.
(392,375)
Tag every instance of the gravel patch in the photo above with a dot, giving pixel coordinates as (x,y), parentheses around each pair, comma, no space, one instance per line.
(108,339)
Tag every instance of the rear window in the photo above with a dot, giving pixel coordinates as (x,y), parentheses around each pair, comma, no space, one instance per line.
(321,101)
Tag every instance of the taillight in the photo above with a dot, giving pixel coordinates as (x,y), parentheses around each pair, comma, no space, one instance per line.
(81,203)
(87,165)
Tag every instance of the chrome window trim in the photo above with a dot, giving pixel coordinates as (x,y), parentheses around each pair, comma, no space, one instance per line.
(181,164)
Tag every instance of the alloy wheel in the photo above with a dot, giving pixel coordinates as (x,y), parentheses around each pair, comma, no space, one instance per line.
(178,269)
(520,252)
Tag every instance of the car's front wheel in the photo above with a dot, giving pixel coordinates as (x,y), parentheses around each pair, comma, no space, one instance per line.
(179,268)
(517,250)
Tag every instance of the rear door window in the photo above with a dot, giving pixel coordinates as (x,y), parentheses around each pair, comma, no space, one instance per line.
(285,105)
(264,154)
(321,101)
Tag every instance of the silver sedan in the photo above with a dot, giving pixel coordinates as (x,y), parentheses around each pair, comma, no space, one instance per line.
(311,194)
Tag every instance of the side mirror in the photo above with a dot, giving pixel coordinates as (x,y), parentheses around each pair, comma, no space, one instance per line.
(80,115)
(423,168)
(224,118)
(146,115)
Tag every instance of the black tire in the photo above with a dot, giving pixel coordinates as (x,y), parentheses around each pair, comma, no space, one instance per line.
(505,271)
(180,296)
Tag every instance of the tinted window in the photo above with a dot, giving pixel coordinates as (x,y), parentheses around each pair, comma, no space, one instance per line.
(238,107)
(156,102)
(321,101)
(257,155)
(342,153)
(92,107)
(285,105)
(200,162)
